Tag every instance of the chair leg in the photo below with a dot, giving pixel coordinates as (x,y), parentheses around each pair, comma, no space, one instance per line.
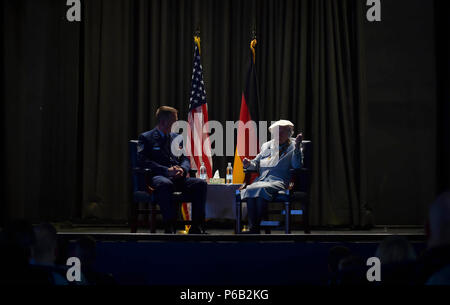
(203,225)
(306,216)
(133,217)
(287,224)
(238,217)
(152,218)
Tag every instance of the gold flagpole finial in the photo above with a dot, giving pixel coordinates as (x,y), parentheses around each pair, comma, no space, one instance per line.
(197,39)
(253,44)
(252,47)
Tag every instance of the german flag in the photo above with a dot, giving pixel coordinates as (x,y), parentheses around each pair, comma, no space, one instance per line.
(249,111)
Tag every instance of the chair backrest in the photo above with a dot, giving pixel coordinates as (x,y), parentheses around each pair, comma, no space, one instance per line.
(307,154)
(136,179)
(304,183)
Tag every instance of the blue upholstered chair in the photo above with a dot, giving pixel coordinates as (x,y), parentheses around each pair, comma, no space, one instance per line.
(298,191)
(143,193)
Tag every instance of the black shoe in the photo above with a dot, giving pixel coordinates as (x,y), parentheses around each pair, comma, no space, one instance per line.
(196,230)
(169,231)
(169,228)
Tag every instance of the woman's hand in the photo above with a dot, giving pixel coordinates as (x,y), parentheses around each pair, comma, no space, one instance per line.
(246,162)
(298,140)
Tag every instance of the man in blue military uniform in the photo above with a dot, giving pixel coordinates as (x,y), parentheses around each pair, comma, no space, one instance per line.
(169,172)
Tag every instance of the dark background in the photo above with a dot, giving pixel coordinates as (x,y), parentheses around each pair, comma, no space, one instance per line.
(75,93)
(403,104)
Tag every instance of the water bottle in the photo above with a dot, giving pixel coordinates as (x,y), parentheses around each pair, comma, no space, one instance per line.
(229,179)
(203,171)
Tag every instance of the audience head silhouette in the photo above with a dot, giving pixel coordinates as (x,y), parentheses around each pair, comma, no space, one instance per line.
(395,249)
(46,244)
(335,256)
(439,221)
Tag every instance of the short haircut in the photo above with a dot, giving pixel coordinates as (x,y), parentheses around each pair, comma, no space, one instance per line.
(164,113)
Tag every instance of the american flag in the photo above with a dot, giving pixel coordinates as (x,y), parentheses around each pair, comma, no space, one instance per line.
(199,145)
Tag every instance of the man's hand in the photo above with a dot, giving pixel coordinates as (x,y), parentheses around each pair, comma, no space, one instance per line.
(298,140)
(176,171)
(180,171)
(246,162)
(172,171)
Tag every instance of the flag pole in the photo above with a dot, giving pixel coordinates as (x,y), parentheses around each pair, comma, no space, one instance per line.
(249,111)
(184,207)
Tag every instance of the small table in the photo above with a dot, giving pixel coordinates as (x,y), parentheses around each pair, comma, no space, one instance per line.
(221,201)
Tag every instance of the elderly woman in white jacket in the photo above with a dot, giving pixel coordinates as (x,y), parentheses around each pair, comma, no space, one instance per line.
(273,164)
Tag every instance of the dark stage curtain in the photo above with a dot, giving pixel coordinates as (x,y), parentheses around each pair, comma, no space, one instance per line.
(40,102)
(76,93)
(442,24)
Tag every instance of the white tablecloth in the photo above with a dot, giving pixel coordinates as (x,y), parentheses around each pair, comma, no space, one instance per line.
(220,201)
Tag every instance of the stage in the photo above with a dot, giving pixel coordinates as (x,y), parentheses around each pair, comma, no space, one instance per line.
(117,232)
(224,258)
